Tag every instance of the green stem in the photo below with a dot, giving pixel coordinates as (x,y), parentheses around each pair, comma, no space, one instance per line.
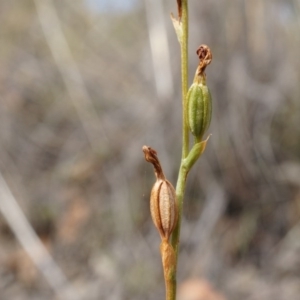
(180,189)
(181,182)
(184,77)
(170,291)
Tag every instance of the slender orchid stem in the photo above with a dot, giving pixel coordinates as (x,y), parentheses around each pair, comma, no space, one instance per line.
(181,182)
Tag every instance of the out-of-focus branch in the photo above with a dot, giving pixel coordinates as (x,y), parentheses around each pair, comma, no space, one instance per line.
(159,48)
(35,249)
(70,73)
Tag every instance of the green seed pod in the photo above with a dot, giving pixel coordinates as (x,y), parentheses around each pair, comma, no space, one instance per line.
(199,109)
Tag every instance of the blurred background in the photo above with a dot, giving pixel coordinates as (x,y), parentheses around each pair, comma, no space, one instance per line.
(84,85)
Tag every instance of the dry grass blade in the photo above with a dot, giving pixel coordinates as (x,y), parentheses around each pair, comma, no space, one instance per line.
(29,240)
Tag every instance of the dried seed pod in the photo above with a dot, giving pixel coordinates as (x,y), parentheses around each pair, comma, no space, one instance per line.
(163,207)
(199,108)
(163,204)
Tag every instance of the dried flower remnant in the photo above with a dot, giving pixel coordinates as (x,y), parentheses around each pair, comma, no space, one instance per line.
(205,57)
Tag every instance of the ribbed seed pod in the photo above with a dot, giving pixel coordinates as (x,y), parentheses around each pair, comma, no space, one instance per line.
(199,109)
(163,207)
(163,204)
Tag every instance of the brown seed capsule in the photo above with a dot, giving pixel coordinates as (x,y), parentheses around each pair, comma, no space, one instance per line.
(163,204)
(163,207)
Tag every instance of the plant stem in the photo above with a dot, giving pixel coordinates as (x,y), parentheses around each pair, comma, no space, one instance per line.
(180,189)
(170,291)
(181,182)
(184,77)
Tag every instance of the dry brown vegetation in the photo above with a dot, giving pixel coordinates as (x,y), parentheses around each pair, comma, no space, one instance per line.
(79,98)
